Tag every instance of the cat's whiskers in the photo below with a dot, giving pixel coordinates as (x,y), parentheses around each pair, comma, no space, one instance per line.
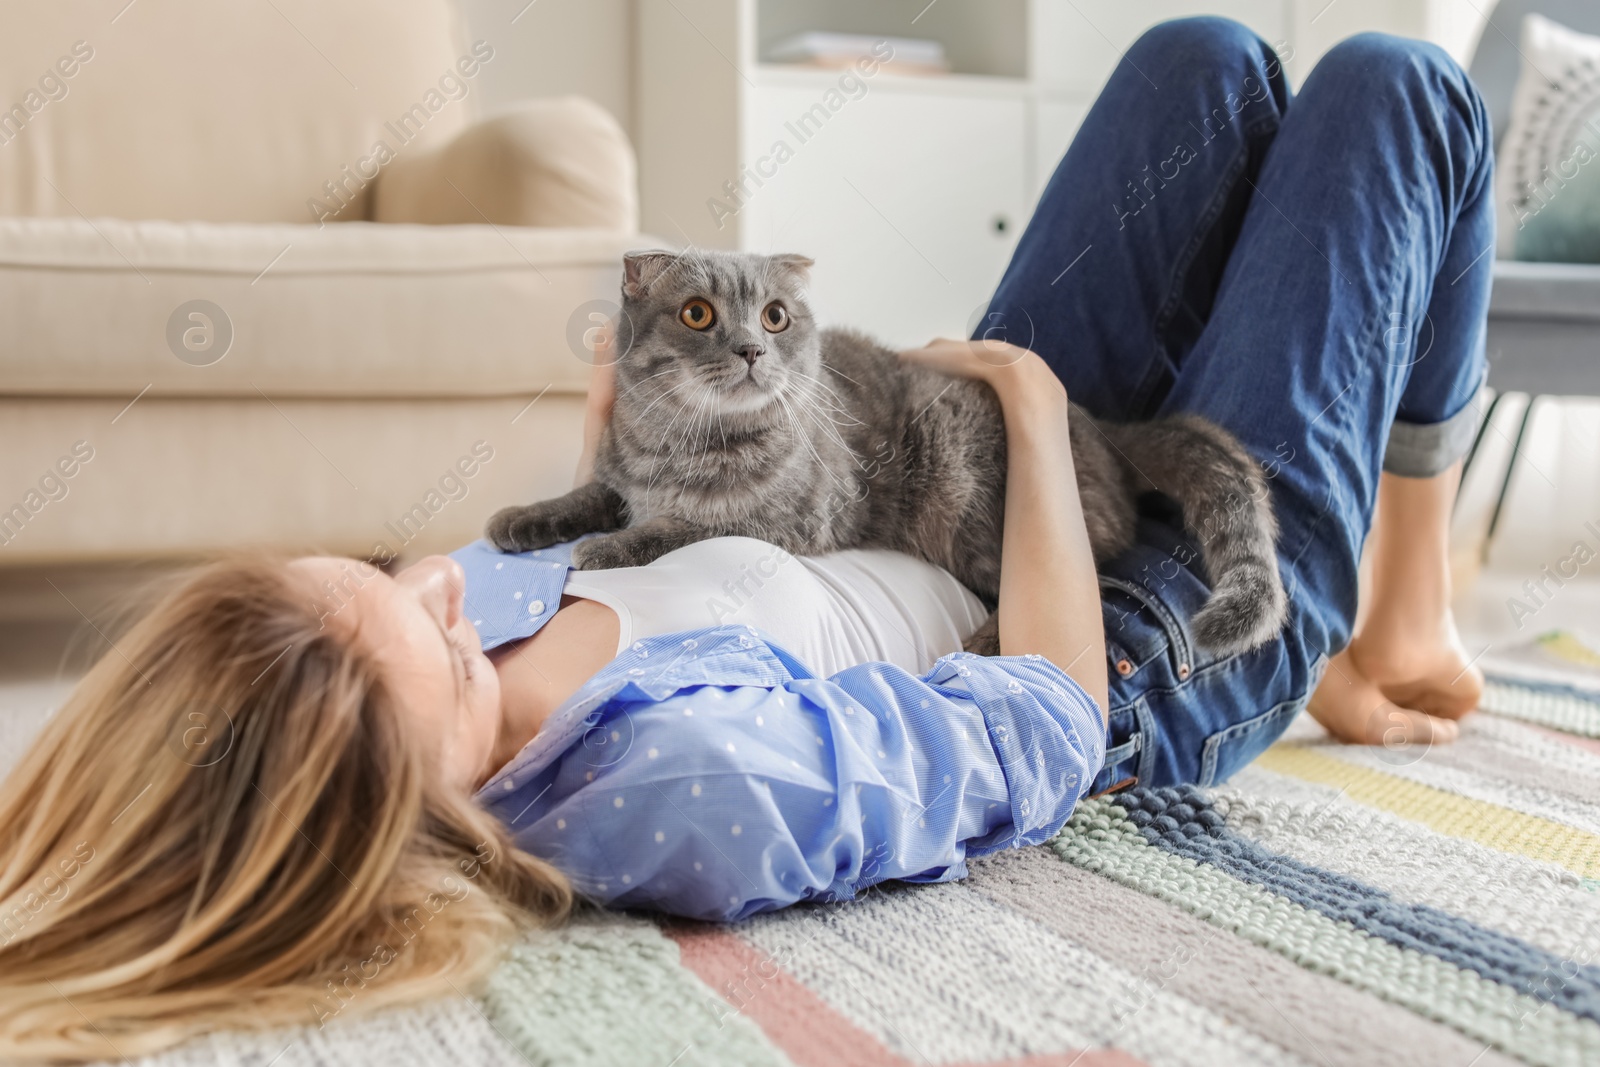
(832,401)
(846,377)
(830,434)
(823,415)
(817,414)
(633,386)
(665,393)
(659,462)
(703,403)
(627,390)
(822,411)
(693,435)
(805,439)
(717,412)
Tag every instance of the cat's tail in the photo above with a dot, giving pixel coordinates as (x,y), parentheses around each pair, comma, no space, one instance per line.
(1228,507)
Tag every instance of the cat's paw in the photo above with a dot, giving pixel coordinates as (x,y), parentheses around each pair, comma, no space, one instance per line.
(608,553)
(522,529)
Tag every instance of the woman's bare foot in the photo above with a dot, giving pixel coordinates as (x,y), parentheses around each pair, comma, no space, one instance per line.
(1356,710)
(1405,678)
(1431,673)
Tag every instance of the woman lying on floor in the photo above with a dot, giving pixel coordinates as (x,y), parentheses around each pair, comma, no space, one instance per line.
(297,778)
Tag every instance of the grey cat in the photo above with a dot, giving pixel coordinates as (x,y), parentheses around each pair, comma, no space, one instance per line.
(736,415)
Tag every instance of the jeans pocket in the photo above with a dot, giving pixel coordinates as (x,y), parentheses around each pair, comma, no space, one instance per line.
(1226,751)
(1128,732)
(1139,628)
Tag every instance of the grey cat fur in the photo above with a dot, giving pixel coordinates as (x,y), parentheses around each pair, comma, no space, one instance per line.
(820,440)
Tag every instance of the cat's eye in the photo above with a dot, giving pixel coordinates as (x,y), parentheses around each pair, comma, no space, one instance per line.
(774,319)
(697,315)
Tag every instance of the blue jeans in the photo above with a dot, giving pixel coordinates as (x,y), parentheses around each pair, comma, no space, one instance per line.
(1312,275)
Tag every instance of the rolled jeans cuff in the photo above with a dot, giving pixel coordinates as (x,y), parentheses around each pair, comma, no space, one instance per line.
(1422,450)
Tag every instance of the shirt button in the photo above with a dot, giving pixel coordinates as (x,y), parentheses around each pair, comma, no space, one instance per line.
(1124,668)
(536,608)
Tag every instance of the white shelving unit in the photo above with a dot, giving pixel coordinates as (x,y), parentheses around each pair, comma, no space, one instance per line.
(909,192)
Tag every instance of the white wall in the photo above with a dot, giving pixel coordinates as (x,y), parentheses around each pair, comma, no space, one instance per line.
(1456,25)
(556,47)
(1452,24)
(587,46)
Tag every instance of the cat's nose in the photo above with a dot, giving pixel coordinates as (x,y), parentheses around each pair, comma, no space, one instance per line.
(749,351)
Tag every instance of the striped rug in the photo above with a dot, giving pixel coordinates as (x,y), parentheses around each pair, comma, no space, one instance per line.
(1551,678)
(1329,906)
(1572,712)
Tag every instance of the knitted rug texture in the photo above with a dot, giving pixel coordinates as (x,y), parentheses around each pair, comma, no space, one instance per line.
(1552,679)
(1328,906)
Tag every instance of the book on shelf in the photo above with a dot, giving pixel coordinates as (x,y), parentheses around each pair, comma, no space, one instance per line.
(835,51)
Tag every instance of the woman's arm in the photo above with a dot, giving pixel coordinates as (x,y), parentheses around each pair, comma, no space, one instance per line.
(1049,591)
(602,394)
(667,785)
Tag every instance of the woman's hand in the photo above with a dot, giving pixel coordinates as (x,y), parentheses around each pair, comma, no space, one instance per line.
(1028,389)
(1005,367)
(602,395)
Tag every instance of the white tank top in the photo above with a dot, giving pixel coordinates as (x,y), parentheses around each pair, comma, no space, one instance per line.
(832,612)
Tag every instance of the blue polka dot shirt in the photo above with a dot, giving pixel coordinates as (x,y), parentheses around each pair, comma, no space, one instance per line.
(709,774)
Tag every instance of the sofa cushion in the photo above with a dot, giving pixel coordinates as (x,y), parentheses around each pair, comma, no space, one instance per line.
(201,109)
(346,310)
(1497,59)
(180,477)
(1547,175)
(557,162)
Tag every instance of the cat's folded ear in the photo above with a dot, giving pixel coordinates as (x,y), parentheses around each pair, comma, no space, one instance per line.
(641,269)
(799,266)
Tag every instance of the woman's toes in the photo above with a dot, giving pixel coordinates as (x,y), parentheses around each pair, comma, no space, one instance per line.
(1355,710)
(1397,728)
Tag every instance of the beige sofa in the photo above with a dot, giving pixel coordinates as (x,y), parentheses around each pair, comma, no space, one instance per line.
(268,278)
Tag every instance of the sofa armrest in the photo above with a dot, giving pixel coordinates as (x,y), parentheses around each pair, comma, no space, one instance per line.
(558,162)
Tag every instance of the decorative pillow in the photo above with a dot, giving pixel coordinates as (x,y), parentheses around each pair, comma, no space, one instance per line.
(1548,172)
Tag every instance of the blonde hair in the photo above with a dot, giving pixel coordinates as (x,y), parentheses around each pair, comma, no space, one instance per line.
(227,825)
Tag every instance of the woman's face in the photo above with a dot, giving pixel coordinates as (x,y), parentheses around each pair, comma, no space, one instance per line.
(414,628)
